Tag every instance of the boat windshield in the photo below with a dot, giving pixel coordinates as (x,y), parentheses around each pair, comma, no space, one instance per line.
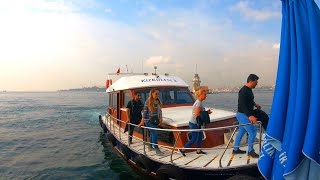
(170,96)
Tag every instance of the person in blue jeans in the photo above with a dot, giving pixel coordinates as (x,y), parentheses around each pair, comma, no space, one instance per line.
(196,136)
(245,115)
(152,108)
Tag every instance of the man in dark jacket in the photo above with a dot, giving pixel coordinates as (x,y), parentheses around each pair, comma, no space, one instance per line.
(245,116)
(134,108)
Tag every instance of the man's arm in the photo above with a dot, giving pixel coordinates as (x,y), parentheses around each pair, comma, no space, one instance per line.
(141,123)
(257,105)
(243,97)
(128,111)
(144,114)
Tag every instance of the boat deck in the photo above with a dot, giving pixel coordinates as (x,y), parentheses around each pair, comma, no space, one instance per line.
(192,160)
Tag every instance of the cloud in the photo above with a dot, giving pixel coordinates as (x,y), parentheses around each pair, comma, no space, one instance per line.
(179,24)
(153,33)
(108,10)
(276,46)
(58,6)
(255,14)
(156,60)
(59,50)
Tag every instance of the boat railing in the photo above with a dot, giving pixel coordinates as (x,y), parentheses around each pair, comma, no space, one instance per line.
(234,132)
(117,125)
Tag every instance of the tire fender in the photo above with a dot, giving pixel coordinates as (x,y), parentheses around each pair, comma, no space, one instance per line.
(125,151)
(168,171)
(103,126)
(100,120)
(241,177)
(143,163)
(111,139)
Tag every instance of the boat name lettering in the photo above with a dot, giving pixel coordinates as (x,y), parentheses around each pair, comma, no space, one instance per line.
(158,79)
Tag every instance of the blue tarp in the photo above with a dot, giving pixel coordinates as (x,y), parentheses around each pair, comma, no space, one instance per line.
(292,145)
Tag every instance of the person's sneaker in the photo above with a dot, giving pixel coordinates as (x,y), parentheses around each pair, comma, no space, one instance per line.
(183,154)
(201,152)
(158,152)
(150,148)
(253,154)
(239,151)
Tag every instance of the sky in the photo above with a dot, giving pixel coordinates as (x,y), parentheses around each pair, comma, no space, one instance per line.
(48,45)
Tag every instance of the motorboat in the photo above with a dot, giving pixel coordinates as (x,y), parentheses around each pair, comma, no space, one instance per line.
(174,132)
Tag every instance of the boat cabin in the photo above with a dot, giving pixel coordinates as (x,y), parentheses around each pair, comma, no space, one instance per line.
(177,102)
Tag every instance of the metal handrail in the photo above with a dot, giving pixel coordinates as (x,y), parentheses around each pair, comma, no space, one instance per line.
(234,131)
(174,147)
(188,130)
(145,128)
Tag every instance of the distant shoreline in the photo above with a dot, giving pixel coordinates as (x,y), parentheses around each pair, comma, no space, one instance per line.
(103,89)
(94,88)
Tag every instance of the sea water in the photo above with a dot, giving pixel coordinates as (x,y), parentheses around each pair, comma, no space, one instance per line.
(56,135)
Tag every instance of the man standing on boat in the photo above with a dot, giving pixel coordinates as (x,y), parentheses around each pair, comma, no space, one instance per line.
(134,116)
(245,116)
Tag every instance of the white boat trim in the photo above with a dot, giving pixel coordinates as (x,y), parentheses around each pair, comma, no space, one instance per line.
(143,81)
(177,115)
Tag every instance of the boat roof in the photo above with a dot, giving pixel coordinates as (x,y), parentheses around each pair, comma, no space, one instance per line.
(143,81)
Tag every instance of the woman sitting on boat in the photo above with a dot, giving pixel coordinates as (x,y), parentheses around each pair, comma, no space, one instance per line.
(152,117)
(193,124)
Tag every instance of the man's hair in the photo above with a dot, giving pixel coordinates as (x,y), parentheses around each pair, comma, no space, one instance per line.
(252,77)
(136,93)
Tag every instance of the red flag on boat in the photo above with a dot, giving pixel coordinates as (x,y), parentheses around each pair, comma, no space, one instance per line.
(118,72)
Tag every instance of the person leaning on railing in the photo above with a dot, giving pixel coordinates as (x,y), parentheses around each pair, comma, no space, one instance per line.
(245,115)
(193,124)
(152,117)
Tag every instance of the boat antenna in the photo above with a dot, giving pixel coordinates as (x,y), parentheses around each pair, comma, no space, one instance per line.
(155,70)
(196,69)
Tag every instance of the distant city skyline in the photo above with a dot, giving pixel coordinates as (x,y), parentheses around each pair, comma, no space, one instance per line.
(47,45)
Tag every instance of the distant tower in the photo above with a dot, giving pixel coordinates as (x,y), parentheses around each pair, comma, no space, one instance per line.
(196,81)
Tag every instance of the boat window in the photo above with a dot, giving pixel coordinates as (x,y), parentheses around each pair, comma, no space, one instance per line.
(114,100)
(127,98)
(175,96)
(169,96)
(110,99)
(144,95)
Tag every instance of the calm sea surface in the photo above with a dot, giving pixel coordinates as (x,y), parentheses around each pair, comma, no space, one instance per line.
(56,135)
